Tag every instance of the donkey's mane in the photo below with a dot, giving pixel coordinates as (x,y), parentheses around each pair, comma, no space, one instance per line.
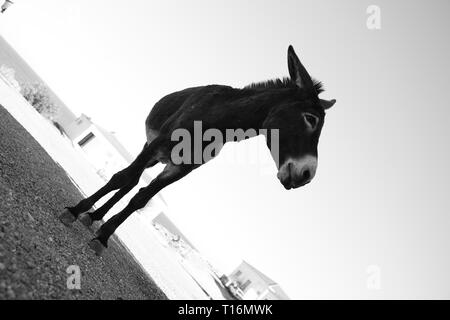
(282,83)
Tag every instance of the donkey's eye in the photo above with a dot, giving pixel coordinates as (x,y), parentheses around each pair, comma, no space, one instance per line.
(311,120)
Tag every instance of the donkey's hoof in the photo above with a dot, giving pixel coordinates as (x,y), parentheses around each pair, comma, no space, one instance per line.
(85,219)
(97,246)
(67,218)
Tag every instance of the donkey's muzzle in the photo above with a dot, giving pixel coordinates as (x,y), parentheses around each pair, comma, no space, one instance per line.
(295,173)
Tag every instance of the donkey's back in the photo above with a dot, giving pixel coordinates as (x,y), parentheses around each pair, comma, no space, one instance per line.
(165,108)
(171,103)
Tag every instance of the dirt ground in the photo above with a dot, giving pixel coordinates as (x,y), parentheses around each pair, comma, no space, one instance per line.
(36,248)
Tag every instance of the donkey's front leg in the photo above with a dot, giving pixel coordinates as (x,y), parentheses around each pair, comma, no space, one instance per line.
(87,218)
(119,180)
(170,174)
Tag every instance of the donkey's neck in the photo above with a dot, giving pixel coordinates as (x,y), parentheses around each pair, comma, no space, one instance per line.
(250,107)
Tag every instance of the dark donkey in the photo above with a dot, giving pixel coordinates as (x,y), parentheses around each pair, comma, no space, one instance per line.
(291,105)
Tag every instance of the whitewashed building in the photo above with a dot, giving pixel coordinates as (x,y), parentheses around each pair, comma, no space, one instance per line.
(251,284)
(99,146)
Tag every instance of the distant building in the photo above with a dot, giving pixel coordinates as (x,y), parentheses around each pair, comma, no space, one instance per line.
(100,147)
(9,76)
(248,283)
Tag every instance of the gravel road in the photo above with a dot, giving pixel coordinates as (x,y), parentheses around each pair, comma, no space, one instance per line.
(35,248)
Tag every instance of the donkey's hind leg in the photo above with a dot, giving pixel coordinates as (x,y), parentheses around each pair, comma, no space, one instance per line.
(87,218)
(170,174)
(119,180)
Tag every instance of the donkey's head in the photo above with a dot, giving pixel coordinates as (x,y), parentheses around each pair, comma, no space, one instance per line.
(299,121)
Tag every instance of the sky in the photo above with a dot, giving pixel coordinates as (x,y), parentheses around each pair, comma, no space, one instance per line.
(377,210)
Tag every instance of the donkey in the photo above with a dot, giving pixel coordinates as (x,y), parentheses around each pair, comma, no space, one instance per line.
(290,105)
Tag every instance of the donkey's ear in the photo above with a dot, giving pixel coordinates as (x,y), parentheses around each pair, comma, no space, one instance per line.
(327,104)
(298,72)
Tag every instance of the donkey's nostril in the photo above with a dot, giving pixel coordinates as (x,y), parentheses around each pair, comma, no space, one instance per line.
(306,175)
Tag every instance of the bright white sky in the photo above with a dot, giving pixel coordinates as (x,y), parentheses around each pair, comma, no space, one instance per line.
(380,196)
